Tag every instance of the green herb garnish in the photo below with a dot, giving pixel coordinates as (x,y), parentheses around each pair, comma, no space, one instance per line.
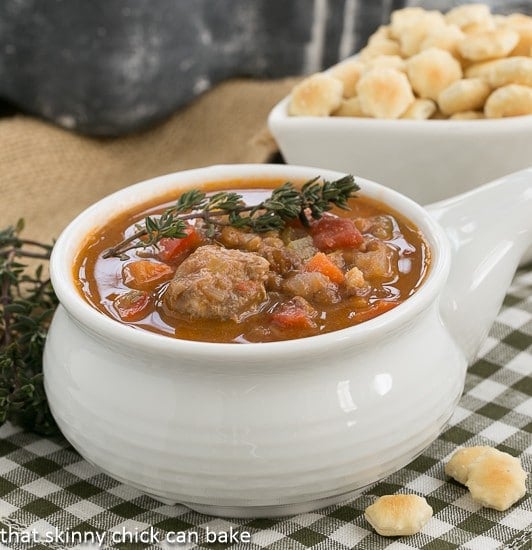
(227,208)
(27,302)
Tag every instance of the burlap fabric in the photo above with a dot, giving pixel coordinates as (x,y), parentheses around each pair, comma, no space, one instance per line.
(48,175)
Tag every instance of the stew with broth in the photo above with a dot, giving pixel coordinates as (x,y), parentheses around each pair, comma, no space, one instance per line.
(231,284)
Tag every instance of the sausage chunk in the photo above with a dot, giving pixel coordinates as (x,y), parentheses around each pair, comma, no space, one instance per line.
(280,258)
(217,283)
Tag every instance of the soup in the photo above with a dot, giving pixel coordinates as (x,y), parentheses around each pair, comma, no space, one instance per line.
(226,284)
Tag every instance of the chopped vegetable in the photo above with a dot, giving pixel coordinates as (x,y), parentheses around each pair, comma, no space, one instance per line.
(145,274)
(321,263)
(171,249)
(294,314)
(313,286)
(375,263)
(331,232)
(303,247)
(133,305)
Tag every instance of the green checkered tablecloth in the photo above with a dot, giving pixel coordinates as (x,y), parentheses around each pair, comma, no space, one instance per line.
(46,487)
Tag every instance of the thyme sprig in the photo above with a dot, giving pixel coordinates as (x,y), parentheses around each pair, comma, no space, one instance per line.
(285,203)
(27,302)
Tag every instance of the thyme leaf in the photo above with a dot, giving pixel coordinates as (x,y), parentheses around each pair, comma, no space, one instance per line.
(27,302)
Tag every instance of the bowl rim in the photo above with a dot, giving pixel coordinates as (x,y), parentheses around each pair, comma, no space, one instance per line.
(113,332)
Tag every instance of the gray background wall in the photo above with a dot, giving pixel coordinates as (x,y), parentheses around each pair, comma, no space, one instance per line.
(109,67)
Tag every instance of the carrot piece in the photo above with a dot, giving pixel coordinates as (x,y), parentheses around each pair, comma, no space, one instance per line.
(294,314)
(145,274)
(376,309)
(171,249)
(133,305)
(323,264)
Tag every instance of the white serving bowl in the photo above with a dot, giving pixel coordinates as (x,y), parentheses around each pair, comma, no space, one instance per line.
(427,160)
(284,427)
